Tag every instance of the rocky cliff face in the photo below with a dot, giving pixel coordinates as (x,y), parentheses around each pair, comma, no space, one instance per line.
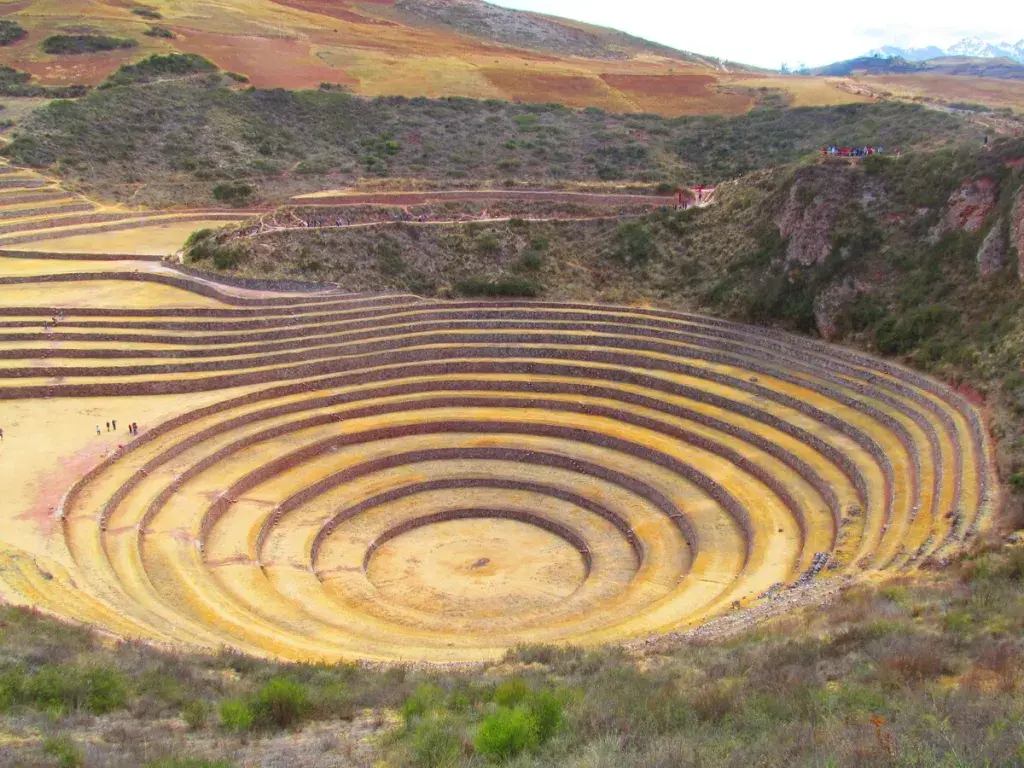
(808,216)
(992,254)
(827,307)
(1017,230)
(969,206)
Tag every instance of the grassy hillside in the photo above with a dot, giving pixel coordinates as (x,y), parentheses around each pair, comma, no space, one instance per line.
(910,672)
(875,256)
(173,142)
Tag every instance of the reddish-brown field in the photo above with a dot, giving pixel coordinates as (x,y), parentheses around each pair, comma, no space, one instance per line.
(572,90)
(662,93)
(295,64)
(336,10)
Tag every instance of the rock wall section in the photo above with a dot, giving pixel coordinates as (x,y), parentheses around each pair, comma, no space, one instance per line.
(1017,230)
(969,206)
(992,254)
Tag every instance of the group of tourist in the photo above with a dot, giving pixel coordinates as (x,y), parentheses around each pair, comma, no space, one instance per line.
(834,151)
(133,428)
(58,316)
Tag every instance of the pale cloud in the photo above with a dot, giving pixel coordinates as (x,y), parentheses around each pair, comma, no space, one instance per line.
(792,31)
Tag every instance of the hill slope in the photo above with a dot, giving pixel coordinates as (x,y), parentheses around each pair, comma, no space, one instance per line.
(467,48)
(171,143)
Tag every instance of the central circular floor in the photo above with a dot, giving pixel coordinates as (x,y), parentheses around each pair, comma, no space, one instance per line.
(477,568)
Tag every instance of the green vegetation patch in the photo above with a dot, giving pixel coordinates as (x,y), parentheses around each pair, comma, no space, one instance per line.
(11,32)
(161,67)
(161,32)
(147,13)
(209,130)
(17,84)
(70,45)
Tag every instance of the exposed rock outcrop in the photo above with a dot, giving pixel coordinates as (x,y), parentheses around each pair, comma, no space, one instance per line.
(806,220)
(827,306)
(992,254)
(1017,230)
(969,205)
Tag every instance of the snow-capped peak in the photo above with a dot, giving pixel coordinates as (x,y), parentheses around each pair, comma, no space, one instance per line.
(974,47)
(977,48)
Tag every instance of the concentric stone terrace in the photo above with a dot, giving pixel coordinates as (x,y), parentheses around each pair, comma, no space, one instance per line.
(394,478)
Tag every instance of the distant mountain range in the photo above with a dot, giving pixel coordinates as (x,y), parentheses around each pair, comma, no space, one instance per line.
(972,47)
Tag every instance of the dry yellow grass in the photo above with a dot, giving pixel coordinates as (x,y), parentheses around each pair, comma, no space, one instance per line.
(949,88)
(155,240)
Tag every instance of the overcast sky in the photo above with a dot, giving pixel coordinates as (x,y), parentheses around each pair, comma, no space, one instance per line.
(794,31)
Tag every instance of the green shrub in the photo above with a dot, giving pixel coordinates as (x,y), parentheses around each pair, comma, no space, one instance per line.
(424,699)
(11,32)
(198,236)
(511,693)
(161,32)
(64,751)
(526,123)
(489,242)
(530,261)
(195,714)
(1013,567)
(147,13)
(237,77)
(236,715)
(12,683)
(635,242)
(281,703)
(958,623)
(58,45)
(389,259)
(436,743)
(506,734)
(96,689)
(547,712)
(332,700)
(233,192)
(206,248)
(903,334)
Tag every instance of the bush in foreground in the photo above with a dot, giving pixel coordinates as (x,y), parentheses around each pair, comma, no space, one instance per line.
(507,733)
(64,751)
(436,743)
(281,702)
(236,715)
